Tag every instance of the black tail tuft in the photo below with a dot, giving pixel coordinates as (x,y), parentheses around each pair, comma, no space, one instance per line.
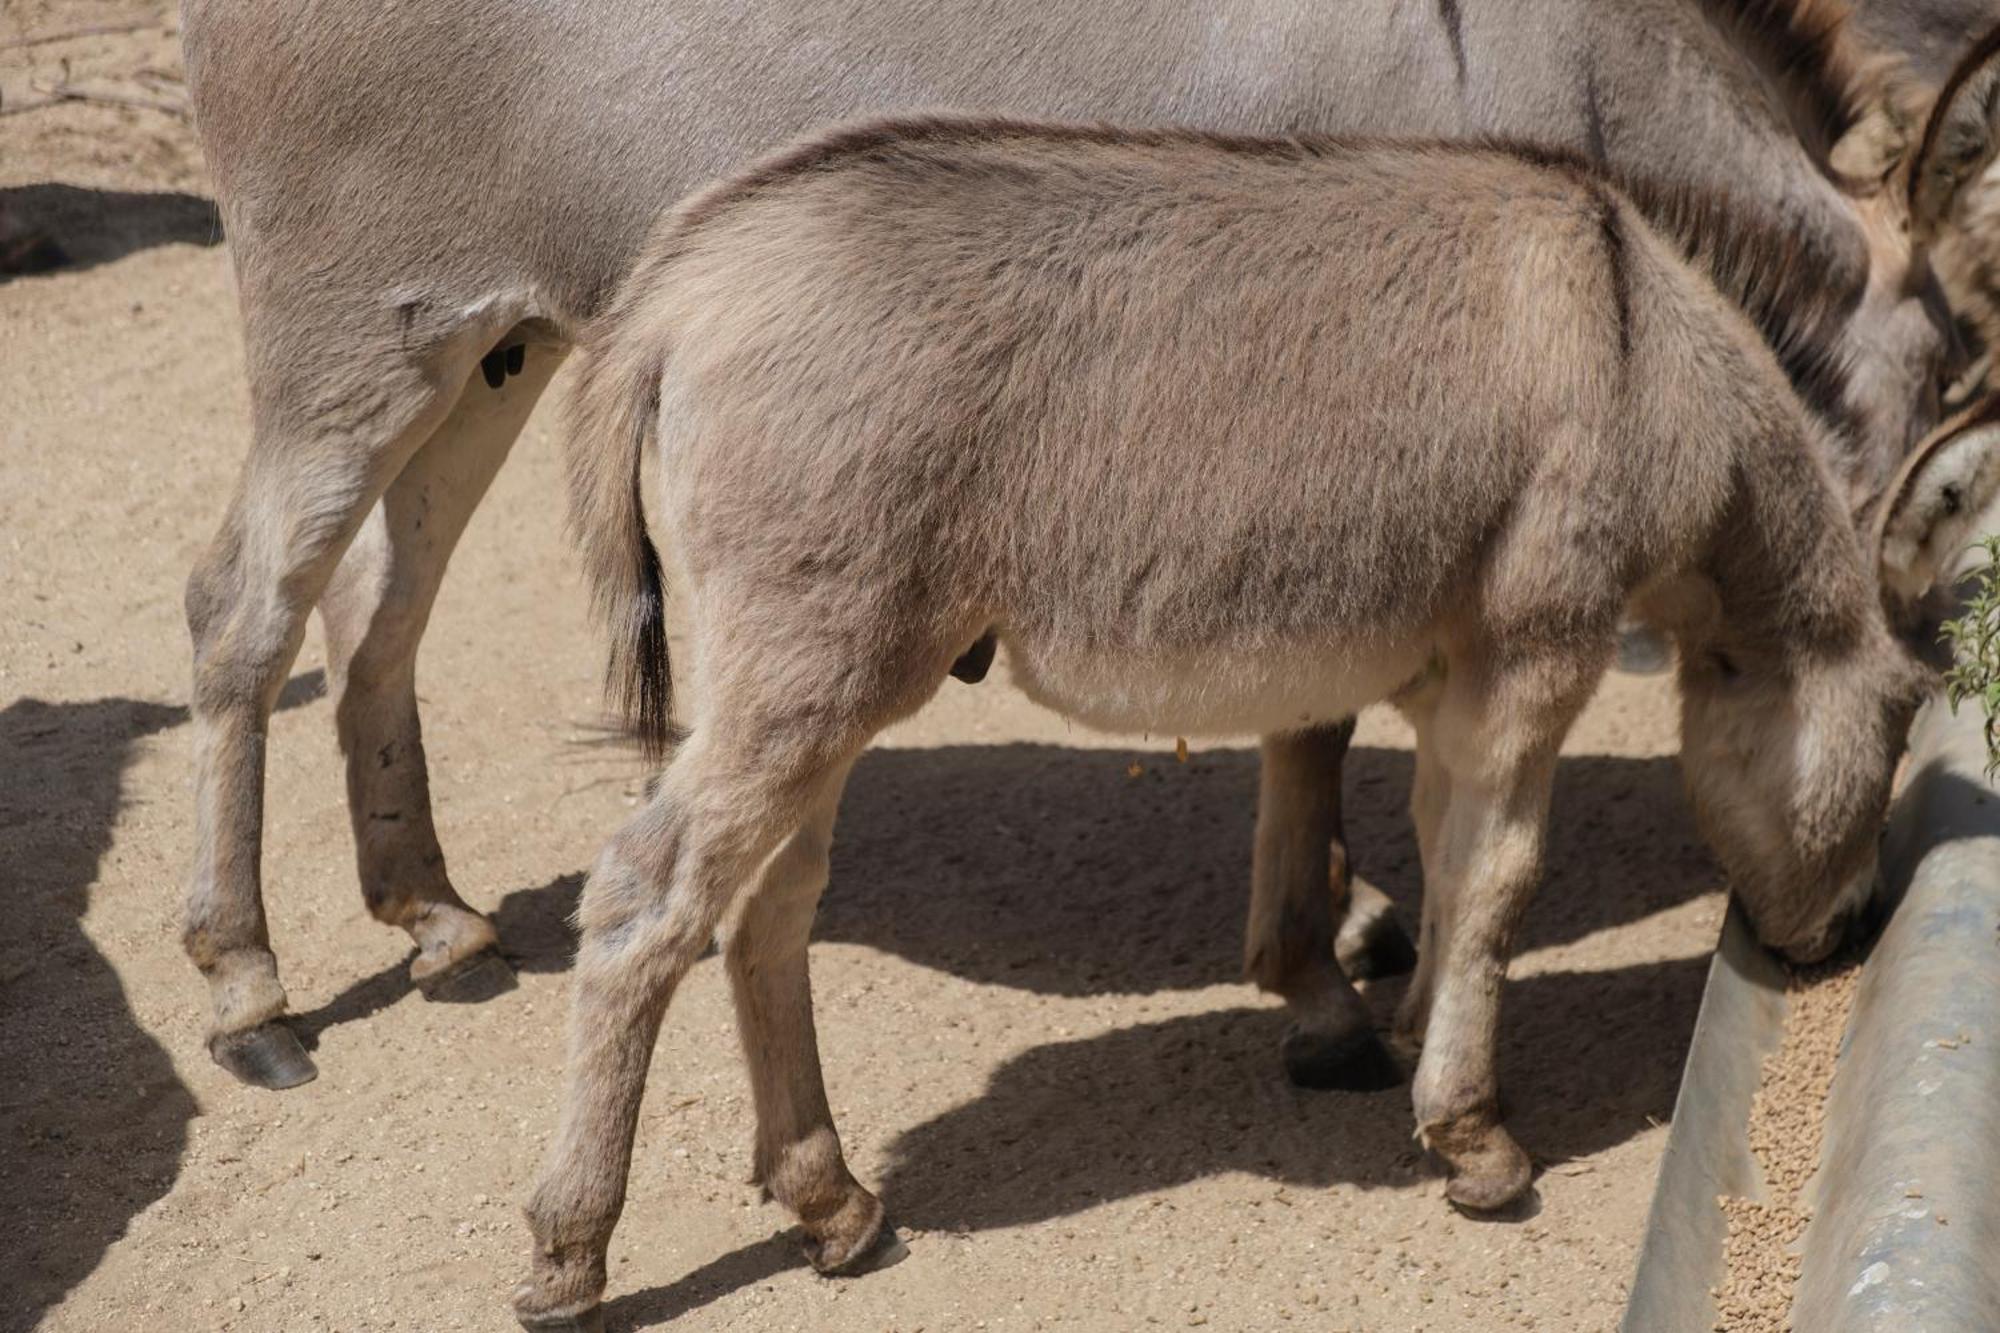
(640,674)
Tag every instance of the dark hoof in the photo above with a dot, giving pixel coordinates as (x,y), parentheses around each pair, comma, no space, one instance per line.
(590,1321)
(472,980)
(1522,1207)
(1356,1062)
(1384,950)
(887,1251)
(267,1056)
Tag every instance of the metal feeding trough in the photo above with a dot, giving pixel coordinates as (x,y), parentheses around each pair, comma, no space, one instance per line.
(1906,1203)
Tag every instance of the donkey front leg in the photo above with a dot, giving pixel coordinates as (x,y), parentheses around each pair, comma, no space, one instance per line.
(1494,737)
(1288,947)
(798,1156)
(651,906)
(375,612)
(1369,942)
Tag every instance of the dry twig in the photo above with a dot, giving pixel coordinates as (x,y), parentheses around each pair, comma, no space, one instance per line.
(71,34)
(77,92)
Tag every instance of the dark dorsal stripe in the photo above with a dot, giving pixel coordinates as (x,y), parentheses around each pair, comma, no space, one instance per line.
(1800,296)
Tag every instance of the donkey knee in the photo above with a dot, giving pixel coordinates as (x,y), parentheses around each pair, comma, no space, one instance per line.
(210,590)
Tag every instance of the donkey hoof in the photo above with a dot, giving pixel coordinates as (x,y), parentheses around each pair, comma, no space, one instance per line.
(1491,1179)
(1345,1062)
(872,1252)
(1382,948)
(588,1321)
(888,1250)
(472,980)
(266,1056)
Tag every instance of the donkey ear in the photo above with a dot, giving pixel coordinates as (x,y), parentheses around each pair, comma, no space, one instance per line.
(1937,503)
(1959,140)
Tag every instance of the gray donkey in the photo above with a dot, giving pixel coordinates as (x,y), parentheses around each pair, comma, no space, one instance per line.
(426,201)
(1217,434)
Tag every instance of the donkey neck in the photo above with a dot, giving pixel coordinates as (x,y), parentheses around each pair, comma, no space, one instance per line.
(1786,559)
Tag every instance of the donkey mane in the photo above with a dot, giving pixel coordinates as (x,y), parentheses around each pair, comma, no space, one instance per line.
(1798,297)
(1813,50)
(1793,292)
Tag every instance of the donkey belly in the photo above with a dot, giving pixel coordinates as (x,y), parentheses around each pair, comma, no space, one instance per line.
(1213,690)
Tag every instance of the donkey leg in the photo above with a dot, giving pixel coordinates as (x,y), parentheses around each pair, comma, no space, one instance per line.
(1497,739)
(1369,942)
(798,1157)
(329,435)
(1430,792)
(652,904)
(374,612)
(1288,948)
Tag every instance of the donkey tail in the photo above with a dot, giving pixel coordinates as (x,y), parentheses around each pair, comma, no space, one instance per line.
(614,412)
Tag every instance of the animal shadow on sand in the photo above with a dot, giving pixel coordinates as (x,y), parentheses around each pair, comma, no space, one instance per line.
(1056,870)
(93,1118)
(51,226)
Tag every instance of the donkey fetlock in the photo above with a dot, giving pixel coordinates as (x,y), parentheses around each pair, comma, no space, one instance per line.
(1331,1043)
(249,1037)
(846,1231)
(565,1285)
(458,958)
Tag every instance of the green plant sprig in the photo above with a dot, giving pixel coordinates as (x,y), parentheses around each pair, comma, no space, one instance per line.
(1975,648)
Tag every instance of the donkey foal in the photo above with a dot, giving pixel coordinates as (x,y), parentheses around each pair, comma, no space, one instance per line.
(1220,435)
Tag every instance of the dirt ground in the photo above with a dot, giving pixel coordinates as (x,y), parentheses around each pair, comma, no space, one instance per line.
(1037,1042)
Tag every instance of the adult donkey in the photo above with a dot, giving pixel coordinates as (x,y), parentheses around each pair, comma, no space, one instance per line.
(426,200)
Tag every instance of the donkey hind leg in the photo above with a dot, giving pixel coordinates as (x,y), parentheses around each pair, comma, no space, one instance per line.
(652,904)
(1288,947)
(798,1157)
(1496,740)
(374,613)
(1430,792)
(329,436)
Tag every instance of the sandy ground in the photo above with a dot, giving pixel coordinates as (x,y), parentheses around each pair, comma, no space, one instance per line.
(1037,1042)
